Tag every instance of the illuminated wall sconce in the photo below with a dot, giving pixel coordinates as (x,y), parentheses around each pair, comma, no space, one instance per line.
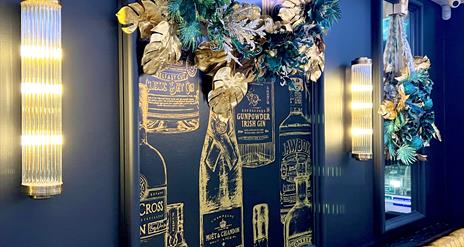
(361,108)
(41,93)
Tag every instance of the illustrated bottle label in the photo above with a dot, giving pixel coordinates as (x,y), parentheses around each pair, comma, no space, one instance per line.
(300,240)
(223,228)
(152,210)
(175,226)
(256,126)
(295,151)
(172,100)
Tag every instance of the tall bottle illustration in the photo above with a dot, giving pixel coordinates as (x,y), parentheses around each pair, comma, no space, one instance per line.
(153,186)
(220,183)
(256,126)
(298,225)
(173,99)
(261,225)
(295,147)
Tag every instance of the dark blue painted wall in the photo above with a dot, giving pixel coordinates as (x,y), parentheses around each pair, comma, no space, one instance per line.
(454,112)
(86,214)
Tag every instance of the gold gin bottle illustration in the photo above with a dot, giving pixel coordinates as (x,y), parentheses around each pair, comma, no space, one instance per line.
(175,226)
(153,184)
(260,225)
(295,147)
(172,100)
(220,185)
(255,125)
(298,225)
(153,194)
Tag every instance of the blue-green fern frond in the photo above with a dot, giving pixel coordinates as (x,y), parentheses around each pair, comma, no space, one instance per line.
(406,154)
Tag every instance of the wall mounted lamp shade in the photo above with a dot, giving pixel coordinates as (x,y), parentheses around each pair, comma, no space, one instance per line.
(361,108)
(41,93)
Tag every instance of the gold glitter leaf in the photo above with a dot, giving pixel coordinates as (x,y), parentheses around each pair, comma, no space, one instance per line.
(228,90)
(164,47)
(292,13)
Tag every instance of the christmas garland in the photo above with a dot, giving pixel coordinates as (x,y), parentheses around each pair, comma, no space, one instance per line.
(234,37)
(407,110)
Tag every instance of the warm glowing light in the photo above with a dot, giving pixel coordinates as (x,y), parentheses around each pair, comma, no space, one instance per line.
(361,108)
(362,88)
(360,105)
(41,88)
(38,140)
(41,93)
(361,132)
(39,52)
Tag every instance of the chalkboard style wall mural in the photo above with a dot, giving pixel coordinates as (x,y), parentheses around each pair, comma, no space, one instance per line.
(224,131)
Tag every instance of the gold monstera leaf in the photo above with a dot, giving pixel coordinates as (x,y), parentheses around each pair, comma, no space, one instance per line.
(228,90)
(209,60)
(164,47)
(144,15)
(292,13)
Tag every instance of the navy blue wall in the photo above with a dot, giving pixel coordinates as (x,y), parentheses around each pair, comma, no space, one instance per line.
(351,189)
(454,112)
(86,214)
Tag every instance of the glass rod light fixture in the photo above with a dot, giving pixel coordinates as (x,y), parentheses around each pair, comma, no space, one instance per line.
(361,108)
(41,93)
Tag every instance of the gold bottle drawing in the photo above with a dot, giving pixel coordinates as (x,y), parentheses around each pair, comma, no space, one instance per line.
(172,100)
(153,184)
(175,226)
(256,126)
(295,147)
(221,212)
(298,225)
(153,195)
(261,225)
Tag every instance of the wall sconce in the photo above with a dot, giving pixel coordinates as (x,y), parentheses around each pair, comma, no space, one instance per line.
(361,108)
(41,93)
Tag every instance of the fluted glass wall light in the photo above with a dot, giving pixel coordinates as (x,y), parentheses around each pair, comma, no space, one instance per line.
(361,108)
(41,93)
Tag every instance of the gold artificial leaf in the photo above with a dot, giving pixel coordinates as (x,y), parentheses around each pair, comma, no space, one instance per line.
(209,60)
(387,110)
(403,98)
(316,61)
(129,16)
(228,90)
(292,13)
(164,47)
(144,15)
(422,63)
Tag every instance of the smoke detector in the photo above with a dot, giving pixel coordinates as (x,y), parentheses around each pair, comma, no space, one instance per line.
(447,5)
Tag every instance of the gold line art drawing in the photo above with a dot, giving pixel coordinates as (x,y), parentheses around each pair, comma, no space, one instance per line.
(153,182)
(220,182)
(298,225)
(175,226)
(256,125)
(153,192)
(221,216)
(260,225)
(295,147)
(171,99)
